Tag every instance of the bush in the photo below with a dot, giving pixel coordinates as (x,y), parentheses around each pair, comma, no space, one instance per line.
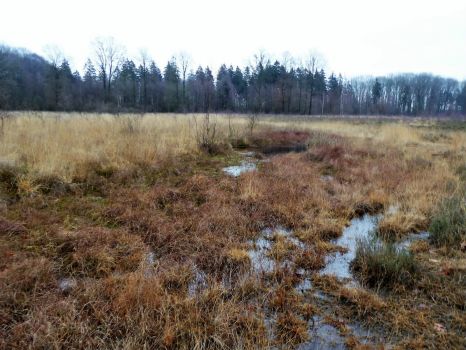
(9,178)
(383,265)
(208,138)
(448,226)
(51,184)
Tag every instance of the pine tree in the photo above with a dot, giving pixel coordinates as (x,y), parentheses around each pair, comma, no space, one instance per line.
(171,78)
(155,87)
(376,91)
(66,85)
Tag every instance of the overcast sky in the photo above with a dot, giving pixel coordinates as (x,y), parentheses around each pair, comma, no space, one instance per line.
(356,37)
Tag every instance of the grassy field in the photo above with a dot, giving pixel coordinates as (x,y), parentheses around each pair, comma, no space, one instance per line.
(125,232)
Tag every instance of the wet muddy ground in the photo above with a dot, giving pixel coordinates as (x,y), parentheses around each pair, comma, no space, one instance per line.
(324,335)
(241,250)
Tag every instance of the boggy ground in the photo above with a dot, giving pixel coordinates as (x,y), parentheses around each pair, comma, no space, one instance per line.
(156,252)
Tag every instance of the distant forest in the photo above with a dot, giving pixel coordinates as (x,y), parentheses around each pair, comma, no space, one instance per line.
(113,83)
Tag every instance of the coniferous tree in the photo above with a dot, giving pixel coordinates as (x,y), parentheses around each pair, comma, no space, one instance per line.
(171,78)
(376,91)
(66,80)
(90,90)
(126,83)
(224,90)
(155,88)
(27,81)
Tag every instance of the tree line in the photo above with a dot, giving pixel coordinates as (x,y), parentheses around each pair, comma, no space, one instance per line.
(112,82)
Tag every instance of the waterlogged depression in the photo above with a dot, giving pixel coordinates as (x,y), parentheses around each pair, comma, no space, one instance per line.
(321,334)
(260,260)
(246,165)
(237,170)
(363,227)
(359,228)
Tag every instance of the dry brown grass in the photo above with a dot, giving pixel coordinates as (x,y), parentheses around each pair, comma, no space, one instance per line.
(156,235)
(62,143)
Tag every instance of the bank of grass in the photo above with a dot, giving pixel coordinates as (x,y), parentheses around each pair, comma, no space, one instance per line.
(156,236)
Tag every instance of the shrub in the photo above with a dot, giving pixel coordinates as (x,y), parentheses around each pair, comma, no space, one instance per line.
(383,265)
(208,138)
(448,226)
(9,176)
(51,184)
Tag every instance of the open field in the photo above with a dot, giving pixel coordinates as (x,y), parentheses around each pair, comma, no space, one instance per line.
(125,232)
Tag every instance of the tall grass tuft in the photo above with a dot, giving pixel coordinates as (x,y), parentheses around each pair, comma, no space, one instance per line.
(448,226)
(383,265)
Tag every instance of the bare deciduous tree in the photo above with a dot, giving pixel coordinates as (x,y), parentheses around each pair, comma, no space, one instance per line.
(253,119)
(54,55)
(314,62)
(184,58)
(108,56)
(206,133)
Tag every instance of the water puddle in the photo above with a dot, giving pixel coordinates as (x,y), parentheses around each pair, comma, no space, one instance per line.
(411,238)
(361,228)
(258,254)
(150,258)
(339,264)
(248,154)
(278,149)
(323,336)
(246,165)
(198,283)
(305,285)
(327,178)
(66,285)
(260,260)
(148,263)
(237,170)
